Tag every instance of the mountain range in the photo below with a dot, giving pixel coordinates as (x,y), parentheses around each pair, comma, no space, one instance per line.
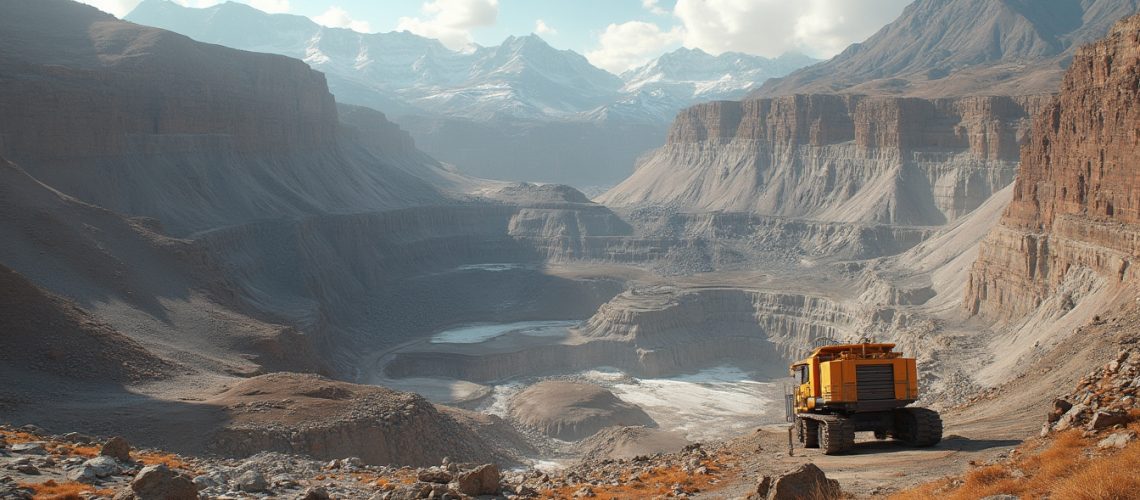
(940,48)
(496,112)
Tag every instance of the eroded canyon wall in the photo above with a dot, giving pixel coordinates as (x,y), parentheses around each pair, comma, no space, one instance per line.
(147,122)
(839,158)
(1075,213)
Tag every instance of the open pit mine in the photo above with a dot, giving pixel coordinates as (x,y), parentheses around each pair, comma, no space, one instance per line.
(217,281)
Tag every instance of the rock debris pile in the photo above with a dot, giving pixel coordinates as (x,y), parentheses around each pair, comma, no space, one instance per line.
(1104,400)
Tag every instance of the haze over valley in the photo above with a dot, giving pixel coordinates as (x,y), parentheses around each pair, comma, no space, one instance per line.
(284,259)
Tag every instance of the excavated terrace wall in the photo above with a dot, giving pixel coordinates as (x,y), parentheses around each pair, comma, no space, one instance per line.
(842,158)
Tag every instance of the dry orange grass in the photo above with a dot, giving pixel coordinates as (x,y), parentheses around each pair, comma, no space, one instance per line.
(88,451)
(169,459)
(1069,467)
(654,483)
(51,490)
(17,437)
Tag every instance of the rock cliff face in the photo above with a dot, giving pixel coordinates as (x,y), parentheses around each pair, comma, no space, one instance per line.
(125,88)
(1076,205)
(836,158)
(147,122)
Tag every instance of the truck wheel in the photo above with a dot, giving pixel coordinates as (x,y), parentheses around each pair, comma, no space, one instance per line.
(810,433)
(836,435)
(918,426)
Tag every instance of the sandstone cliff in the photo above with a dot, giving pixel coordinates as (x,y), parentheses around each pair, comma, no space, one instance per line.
(836,158)
(1074,221)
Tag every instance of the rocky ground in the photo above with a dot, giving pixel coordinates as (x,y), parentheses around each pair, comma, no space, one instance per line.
(37,464)
(1087,447)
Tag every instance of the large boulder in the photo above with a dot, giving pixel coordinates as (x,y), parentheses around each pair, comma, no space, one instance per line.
(1105,419)
(252,482)
(116,448)
(482,480)
(102,466)
(158,482)
(807,481)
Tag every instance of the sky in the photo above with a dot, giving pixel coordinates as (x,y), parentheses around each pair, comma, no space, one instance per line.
(613,34)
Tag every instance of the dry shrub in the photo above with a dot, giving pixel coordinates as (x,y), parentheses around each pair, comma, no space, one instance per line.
(1063,469)
(1112,476)
(1060,458)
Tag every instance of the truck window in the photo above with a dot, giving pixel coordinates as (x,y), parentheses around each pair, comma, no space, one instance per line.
(801,374)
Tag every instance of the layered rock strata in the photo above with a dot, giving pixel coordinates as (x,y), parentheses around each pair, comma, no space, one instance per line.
(837,158)
(1076,204)
(150,123)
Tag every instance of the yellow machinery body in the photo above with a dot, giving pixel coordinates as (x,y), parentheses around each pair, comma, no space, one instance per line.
(832,375)
(848,388)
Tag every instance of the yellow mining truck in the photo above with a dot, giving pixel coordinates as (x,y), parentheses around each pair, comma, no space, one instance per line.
(847,388)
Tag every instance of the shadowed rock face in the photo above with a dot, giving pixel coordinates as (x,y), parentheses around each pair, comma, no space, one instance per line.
(83,84)
(836,158)
(147,122)
(44,334)
(1076,204)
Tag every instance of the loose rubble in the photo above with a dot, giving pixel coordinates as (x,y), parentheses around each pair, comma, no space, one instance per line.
(67,463)
(1103,398)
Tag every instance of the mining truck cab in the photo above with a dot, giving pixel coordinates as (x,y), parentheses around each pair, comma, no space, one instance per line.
(842,389)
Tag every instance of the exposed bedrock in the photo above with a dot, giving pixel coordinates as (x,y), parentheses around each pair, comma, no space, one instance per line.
(714,240)
(836,157)
(1076,204)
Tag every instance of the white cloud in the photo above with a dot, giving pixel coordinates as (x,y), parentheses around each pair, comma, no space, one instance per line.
(121,8)
(651,6)
(198,4)
(542,28)
(772,27)
(628,45)
(271,6)
(451,21)
(336,17)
